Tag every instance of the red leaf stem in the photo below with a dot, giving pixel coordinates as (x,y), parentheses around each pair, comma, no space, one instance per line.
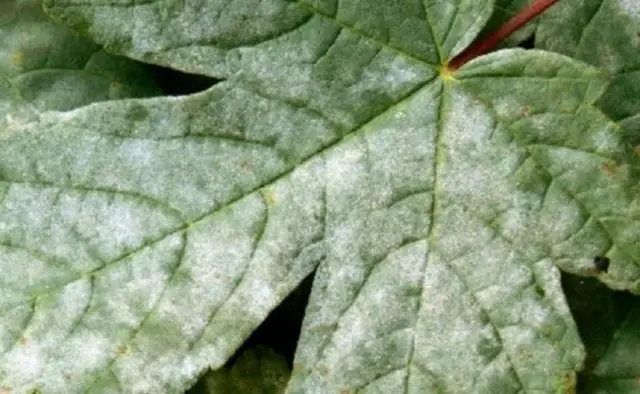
(488,42)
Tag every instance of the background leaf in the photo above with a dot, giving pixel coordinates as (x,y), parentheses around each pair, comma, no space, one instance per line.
(257,371)
(183,36)
(611,339)
(583,29)
(603,33)
(44,66)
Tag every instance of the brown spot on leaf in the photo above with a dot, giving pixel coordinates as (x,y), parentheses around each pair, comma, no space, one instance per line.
(610,169)
(6,390)
(122,350)
(526,111)
(23,340)
(570,383)
(16,58)
(323,370)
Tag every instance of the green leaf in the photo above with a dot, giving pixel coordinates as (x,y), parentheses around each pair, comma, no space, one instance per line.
(603,33)
(257,371)
(142,240)
(214,38)
(618,371)
(612,339)
(44,66)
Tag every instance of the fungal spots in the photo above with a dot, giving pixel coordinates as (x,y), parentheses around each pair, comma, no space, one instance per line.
(570,383)
(23,340)
(602,263)
(123,350)
(610,169)
(323,370)
(136,113)
(526,111)
(17,57)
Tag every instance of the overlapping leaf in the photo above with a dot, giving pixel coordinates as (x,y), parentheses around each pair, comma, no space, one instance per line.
(143,240)
(257,371)
(44,66)
(612,340)
(603,33)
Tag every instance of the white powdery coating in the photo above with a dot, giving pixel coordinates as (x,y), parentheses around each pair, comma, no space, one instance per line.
(450,329)
(397,72)
(381,307)
(262,297)
(83,229)
(476,168)
(548,276)
(86,351)
(132,287)
(346,167)
(230,277)
(23,364)
(123,223)
(146,28)
(10,323)
(33,353)
(136,153)
(631,7)
(23,201)
(343,275)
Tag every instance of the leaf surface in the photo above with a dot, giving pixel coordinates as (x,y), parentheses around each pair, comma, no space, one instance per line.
(603,33)
(144,239)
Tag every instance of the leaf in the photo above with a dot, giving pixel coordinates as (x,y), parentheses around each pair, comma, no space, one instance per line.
(587,35)
(215,39)
(141,228)
(612,339)
(603,33)
(257,371)
(618,371)
(44,66)
(144,239)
